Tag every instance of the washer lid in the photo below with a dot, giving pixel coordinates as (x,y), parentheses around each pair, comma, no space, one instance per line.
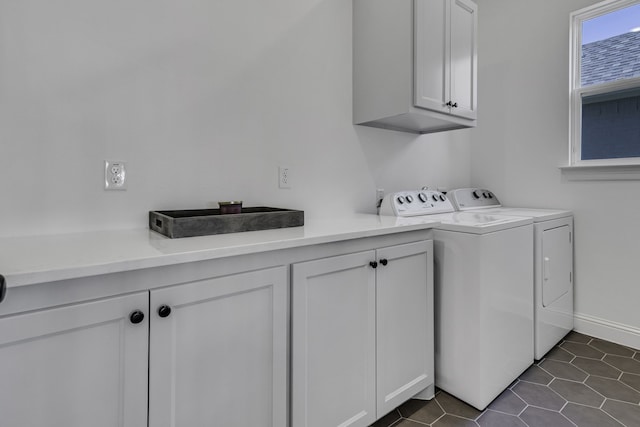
(538,215)
(478,222)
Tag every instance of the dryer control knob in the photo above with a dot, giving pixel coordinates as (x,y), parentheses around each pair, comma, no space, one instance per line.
(476,194)
(409,198)
(422,197)
(400,200)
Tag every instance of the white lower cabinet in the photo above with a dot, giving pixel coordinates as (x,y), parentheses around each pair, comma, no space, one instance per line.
(404,323)
(334,342)
(218,352)
(76,366)
(362,334)
(205,353)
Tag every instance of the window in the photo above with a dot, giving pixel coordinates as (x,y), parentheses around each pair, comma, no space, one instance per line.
(605,84)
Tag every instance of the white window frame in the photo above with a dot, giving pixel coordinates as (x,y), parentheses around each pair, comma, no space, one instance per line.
(577,92)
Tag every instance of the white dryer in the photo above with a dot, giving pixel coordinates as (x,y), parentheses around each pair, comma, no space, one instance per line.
(483,295)
(553,262)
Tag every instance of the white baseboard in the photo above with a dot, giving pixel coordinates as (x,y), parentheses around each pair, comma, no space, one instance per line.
(607,330)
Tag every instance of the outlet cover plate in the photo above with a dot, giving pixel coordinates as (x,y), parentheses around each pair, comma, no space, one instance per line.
(284,177)
(115,175)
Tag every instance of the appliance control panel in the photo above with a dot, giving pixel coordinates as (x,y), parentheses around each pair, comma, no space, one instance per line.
(414,203)
(473,198)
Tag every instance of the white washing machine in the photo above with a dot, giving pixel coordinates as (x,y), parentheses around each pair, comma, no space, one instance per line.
(483,295)
(553,263)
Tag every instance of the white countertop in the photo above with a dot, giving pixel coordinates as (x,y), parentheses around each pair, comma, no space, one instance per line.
(39,259)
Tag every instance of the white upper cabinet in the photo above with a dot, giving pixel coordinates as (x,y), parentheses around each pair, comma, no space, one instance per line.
(464,58)
(415,64)
(445,73)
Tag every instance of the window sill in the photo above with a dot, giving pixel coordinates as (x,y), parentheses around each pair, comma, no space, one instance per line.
(601,173)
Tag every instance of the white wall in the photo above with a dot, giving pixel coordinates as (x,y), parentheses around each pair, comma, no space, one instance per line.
(203,99)
(521,140)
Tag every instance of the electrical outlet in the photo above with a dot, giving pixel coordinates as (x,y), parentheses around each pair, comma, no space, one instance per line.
(115,175)
(284,177)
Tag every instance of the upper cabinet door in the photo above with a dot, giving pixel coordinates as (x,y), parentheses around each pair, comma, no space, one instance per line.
(432,54)
(463,58)
(445,56)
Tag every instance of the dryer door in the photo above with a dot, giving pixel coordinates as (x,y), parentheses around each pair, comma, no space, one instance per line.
(556,263)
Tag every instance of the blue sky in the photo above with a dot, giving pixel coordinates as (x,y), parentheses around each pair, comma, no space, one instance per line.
(611,24)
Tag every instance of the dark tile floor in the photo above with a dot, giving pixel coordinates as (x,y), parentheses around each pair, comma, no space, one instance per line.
(583,382)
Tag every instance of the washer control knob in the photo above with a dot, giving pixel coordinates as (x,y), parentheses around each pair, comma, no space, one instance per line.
(435,198)
(422,197)
(409,198)
(442,197)
(476,194)
(400,200)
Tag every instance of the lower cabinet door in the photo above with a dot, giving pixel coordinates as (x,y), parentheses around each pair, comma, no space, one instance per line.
(404,323)
(218,352)
(333,342)
(76,366)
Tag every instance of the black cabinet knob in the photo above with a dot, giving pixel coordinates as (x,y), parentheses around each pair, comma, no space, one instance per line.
(136,316)
(373,264)
(164,311)
(384,261)
(454,105)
